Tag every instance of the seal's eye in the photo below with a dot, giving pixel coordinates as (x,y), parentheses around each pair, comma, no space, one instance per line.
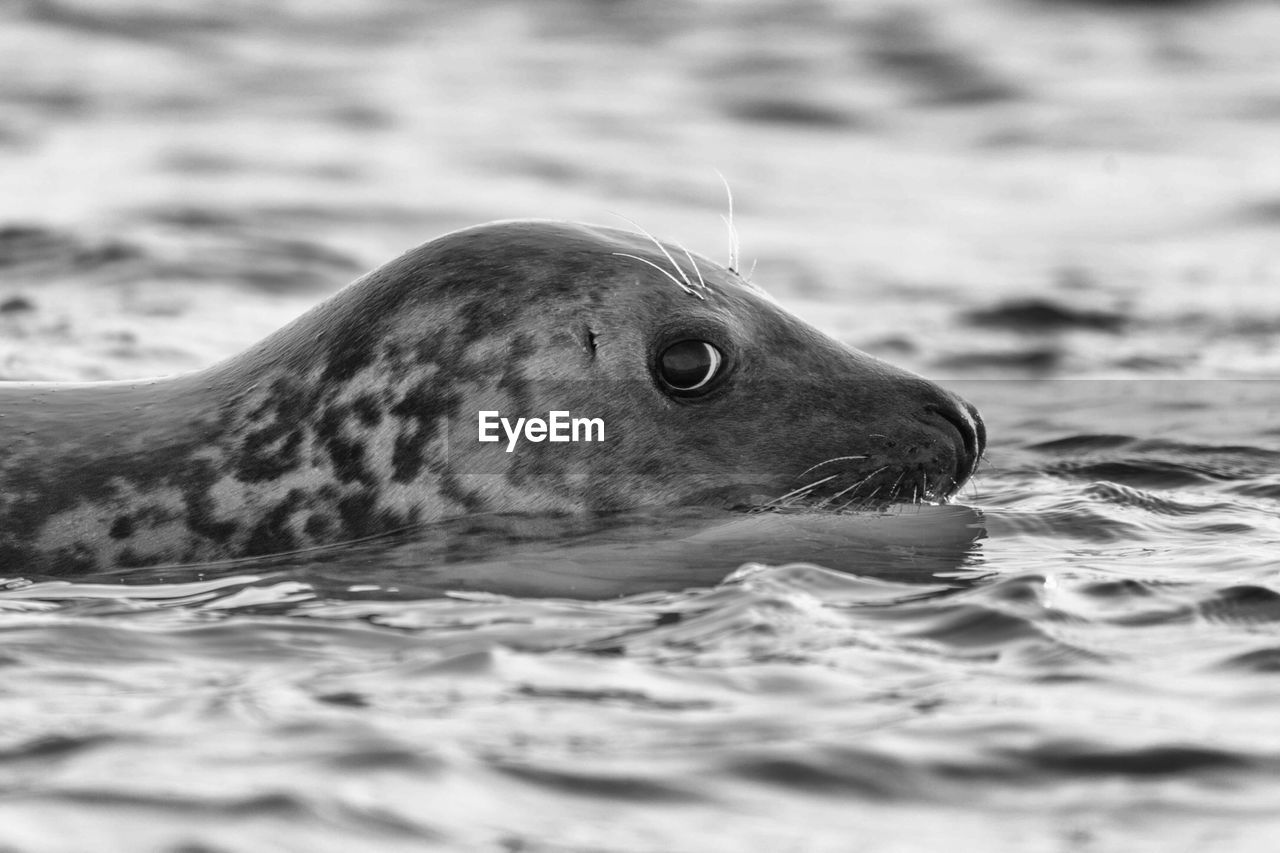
(689,366)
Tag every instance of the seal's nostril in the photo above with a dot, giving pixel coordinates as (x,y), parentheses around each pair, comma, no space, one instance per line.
(973,435)
(980,428)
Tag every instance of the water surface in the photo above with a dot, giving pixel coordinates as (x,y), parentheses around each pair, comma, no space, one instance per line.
(1065,211)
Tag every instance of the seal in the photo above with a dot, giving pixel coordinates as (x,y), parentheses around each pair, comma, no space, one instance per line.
(361,417)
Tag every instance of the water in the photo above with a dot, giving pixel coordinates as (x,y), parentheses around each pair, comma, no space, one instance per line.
(1066,211)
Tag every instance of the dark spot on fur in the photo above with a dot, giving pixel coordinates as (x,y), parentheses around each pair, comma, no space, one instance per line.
(317,526)
(348,460)
(274,448)
(345,453)
(331,420)
(427,404)
(271,535)
(406,459)
(121,528)
(367,409)
(196,478)
(361,517)
(348,354)
(268,453)
(285,398)
(357,513)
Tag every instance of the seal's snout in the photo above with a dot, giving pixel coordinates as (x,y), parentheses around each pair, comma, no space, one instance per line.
(972,434)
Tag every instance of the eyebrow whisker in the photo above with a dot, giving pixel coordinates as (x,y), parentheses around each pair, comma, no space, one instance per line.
(728,221)
(678,283)
(661,248)
(702,282)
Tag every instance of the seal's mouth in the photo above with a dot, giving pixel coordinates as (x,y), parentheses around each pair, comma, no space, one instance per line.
(853,491)
(930,473)
(839,491)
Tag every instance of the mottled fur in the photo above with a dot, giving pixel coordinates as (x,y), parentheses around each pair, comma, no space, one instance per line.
(360,417)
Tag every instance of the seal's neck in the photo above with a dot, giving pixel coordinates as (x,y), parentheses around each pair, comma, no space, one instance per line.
(84,465)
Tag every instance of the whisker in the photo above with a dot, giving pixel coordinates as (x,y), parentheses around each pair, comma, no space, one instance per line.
(678,283)
(848,489)
(828,462)
(845,491)
(663,249)
(970,488)
(804,489)
(862,503)
(733,231)
(702,282)
(953,486)
(893,490)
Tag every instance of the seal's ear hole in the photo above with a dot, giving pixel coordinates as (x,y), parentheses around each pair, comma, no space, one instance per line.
(689,368)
